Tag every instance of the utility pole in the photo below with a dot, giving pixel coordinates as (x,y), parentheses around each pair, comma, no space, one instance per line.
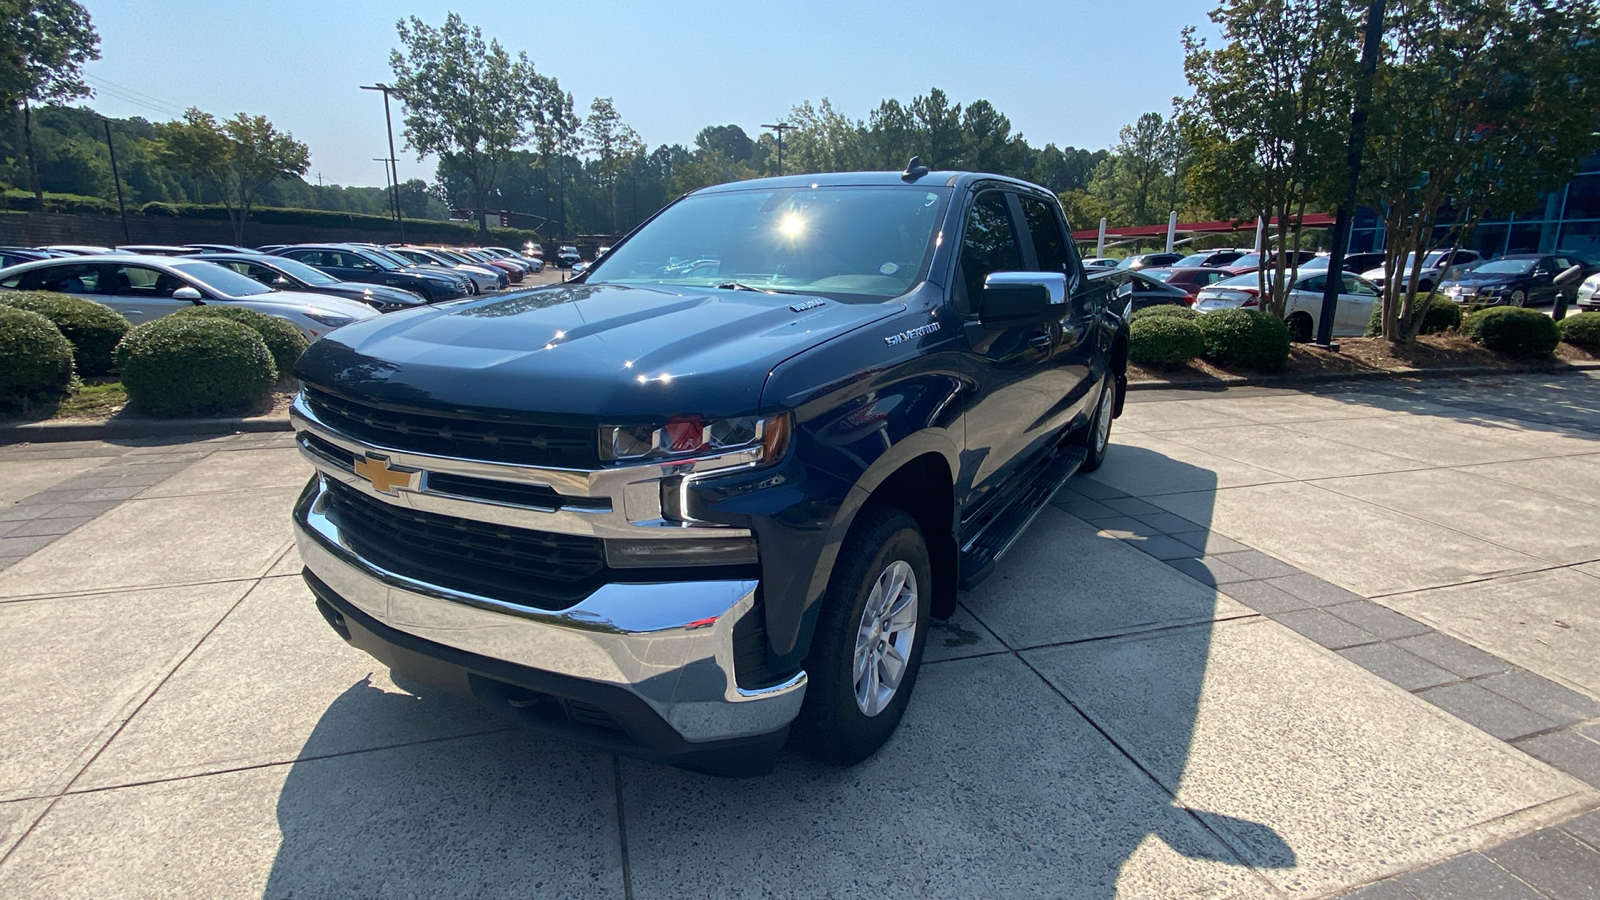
(117,178)
(780,128)
(394,171)
(1372,42)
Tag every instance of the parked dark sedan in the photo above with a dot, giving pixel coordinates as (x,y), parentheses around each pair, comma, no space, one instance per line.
(290,275)
(1190,280)
(1520,279)
(351,263)
(14,256)
(1141,290)
(1210,258)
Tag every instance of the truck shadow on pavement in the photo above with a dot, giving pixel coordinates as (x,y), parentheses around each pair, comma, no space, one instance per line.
(1050,731)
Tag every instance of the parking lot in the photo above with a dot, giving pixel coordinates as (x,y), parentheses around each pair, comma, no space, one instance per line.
(1284,643)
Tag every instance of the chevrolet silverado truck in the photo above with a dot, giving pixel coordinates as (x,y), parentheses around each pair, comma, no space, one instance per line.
(705,498)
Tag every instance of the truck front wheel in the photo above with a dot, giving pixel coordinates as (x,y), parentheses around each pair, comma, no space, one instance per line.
(869,639)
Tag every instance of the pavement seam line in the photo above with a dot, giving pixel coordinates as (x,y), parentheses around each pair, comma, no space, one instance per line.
(622,828)
(1177,804)
(22,838)
(274,764)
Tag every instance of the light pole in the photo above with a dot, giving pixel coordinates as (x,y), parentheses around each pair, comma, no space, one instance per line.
(780,128)
(116,177)
(394,171)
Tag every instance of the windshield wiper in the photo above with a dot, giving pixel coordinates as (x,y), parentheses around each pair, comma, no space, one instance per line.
(741,286)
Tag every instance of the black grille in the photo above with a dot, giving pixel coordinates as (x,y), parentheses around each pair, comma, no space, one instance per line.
(532,568)
(559,446)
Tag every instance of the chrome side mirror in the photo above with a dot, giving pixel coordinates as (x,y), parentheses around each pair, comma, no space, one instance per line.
(190,294)
(1020,298)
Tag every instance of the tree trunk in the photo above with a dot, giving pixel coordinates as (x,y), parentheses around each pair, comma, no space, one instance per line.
(33,164)
(480,199)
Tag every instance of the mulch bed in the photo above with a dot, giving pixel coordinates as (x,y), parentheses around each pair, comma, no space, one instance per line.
(1355,355)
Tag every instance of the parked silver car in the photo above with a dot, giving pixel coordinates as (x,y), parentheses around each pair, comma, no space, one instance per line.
(143,288)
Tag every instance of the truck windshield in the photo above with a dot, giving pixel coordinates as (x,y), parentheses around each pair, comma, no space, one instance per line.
(845,242)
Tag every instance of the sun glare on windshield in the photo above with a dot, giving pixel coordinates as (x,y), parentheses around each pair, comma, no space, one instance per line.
(792,226)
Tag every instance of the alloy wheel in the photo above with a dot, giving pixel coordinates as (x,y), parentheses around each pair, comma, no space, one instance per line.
(885,636)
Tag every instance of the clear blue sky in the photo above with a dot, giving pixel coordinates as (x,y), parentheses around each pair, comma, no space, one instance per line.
(1070,72)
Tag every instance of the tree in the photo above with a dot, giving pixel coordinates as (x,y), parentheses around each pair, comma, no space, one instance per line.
(558,134)
(1269,115)
(988,143)
(1140,181)
(729,140)
(467,102)
(823,139)
(940,127)
(1476,104)
(43,48)
(236,158)
(614,145)
(891,137)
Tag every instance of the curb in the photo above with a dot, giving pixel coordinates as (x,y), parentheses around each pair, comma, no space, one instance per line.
(1233,381)
(55,432)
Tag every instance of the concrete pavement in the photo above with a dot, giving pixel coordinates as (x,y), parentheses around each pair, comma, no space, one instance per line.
(1284,643)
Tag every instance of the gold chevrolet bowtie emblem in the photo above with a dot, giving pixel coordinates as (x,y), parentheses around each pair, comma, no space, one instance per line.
(384,478)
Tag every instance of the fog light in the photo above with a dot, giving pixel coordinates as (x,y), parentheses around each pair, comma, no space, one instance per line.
(626,554)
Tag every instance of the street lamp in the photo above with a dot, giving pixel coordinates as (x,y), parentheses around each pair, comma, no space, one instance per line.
(394,171)
(780,128)
(117,178)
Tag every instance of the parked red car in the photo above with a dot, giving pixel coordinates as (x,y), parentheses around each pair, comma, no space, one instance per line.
(1192,278)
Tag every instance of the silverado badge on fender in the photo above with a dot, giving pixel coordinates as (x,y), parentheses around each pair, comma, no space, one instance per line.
(384,479)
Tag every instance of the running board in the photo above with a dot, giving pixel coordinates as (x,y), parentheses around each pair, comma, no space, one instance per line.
(983,551)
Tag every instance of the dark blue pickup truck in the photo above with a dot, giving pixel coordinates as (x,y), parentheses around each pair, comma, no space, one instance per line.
(710,493)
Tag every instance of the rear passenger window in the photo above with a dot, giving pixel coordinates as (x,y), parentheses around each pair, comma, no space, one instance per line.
(990,245)
(75,278)
(1048,244)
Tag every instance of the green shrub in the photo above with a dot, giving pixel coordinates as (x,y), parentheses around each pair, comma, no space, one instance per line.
(1514,331)
(189,365)
(1241,339)
(35,357)
(1169,310)
(1439,314)
(1164,340)
(283,340)
(93,328)
(1582,331)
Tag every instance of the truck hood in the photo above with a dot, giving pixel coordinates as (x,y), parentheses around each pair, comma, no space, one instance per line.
(613,352)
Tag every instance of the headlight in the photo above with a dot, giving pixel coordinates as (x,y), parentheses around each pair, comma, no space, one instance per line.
(684,436)
(332,320)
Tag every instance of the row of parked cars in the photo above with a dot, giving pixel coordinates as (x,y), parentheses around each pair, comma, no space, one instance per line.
(1227,279)
(317,287)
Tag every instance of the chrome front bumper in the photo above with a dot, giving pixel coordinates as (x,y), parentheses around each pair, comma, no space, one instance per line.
(669,644)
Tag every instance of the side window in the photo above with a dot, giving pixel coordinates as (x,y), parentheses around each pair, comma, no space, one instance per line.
(989,245)
(259,273)
(309,257)
(1048,244)
(1315,285)
(1355,286)
(76,278)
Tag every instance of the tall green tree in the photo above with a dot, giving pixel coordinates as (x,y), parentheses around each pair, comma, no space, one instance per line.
(558,135)
(467,102)
(1141,181)
(238,158)
(43,47)
(614,146)
(940,125)
(1477,104)
(1269,116)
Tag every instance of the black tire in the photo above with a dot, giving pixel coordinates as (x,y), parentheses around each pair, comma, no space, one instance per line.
(1092,439)
(833,725)
(1300,328)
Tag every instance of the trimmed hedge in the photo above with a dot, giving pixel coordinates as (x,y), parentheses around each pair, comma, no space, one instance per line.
(35,357)
(1241,339)
(1440,314)
(1164,340)
(1582,331)
(1514,331)
(283,340)
(192,366)
(93,328)
(1164,310)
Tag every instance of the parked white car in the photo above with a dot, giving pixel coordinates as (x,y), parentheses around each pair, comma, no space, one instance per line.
(1304,307)
(143,288)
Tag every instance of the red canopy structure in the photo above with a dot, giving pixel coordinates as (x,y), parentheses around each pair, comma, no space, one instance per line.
(1223,226)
